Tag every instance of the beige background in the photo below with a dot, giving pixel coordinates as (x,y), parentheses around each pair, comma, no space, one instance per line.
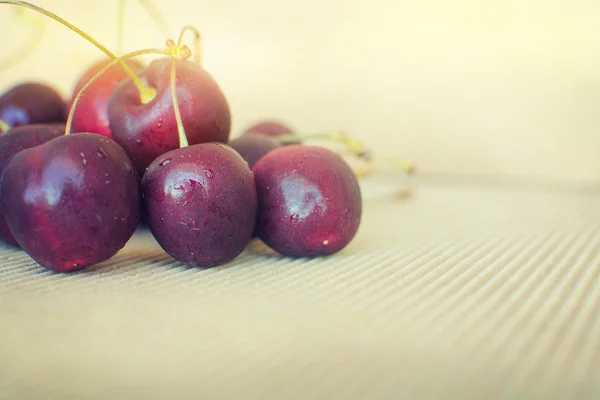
(509,88)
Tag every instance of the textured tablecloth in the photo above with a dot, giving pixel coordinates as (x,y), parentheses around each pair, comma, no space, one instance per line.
(458,292)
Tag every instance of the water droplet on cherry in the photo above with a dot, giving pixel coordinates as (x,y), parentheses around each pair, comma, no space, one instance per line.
(164,162)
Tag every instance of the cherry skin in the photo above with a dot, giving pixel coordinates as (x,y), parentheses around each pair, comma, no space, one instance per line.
(31,103)
(253,147)
(269,128)
(71,202)
(91,114)
(12,142)
(309,201)
(273,129)
(201,203)
(148,130)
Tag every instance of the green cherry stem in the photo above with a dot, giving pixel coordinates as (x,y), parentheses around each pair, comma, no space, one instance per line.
(23,52)
(197,42)
(4,126)
(156,16)
(100,73)
(146,93)
(355,148)
(183,142)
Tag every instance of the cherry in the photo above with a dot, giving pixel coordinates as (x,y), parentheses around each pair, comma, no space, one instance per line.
(309,201)
(269,128)
(31,103)
(253,147)
(201,203)
(148,130)
(92,111)
(274,129)
(72,201)
(12,142)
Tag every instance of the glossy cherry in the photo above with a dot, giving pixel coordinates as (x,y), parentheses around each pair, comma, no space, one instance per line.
(14,141)
(253,147)
(31,103)
(71,202)
(91,114)
(269,128)
(201,203)
(309,201)
(148,130)
(272,128)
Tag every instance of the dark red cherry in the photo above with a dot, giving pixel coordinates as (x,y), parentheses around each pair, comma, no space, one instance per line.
(273,129)
(91,114)
(253,147)
(269,128)
(148,130)
(71,202)
(309,201)
(31,103)
(201,203)
(13,141)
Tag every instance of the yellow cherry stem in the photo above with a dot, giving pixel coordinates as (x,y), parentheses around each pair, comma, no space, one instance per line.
(197,42)
(4,126)
(146,93)
(100,73)
(25,51)
(183,142)
(156,16)
(355,147)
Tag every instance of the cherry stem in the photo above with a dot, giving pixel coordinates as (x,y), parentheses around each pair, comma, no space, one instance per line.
(197,42)
(355,147)
(156,16)
(183,142)
(4,126)
(99,74)
(400,164)
(146,93)
(23,52)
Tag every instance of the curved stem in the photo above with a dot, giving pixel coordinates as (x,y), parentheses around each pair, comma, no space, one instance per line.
(400,164)
(355,147)
(146,93)
(4,126)
(156,16)
(99,74)
(23,52)
(197,42)
(183,142)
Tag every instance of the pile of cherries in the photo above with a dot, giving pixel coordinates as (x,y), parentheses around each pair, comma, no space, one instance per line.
(73,200)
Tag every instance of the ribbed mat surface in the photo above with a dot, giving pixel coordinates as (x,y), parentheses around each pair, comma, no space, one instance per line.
(460,292)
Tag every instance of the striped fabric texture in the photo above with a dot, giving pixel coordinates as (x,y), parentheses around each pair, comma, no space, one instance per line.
(458,292)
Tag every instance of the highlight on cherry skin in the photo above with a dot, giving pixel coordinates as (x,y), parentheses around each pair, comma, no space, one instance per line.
(74,200)
(201,203)
(91,114)
(71,202)
(11,143)
(146,131)
(309,201)
(31,103)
